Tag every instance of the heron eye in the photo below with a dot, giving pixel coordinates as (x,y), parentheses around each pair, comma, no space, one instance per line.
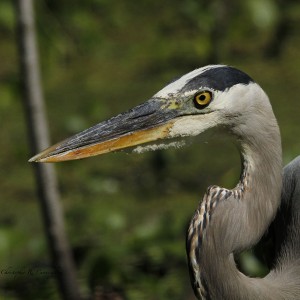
(202,99)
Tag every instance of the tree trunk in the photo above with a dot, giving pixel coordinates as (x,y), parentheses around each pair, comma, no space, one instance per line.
(39,139)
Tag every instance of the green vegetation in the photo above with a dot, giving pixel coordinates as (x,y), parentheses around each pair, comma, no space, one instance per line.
(126,214)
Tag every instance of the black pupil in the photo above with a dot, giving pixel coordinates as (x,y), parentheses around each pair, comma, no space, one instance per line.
(202,97)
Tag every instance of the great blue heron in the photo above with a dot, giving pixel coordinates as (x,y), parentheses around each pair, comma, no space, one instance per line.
(226,221)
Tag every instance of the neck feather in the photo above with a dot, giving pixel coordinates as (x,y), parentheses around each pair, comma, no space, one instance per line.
(229,221)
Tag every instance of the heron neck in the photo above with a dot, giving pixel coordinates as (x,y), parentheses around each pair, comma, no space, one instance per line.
(239,221)
(260,185)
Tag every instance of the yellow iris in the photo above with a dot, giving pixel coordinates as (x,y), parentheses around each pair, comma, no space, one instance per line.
(202,99)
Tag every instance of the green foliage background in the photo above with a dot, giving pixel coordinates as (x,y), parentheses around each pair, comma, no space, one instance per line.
(126,214)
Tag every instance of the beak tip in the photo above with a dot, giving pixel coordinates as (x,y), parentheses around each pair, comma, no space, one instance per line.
(40,157)
(35,158)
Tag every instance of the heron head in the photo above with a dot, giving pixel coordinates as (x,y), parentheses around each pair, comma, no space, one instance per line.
(208,97)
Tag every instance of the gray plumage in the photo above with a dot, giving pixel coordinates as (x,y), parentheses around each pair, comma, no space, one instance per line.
(217,270)
(239,217)
(226,221)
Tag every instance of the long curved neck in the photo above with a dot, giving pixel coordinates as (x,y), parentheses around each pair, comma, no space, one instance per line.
(237,219)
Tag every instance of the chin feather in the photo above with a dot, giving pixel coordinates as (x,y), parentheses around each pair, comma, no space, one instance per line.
(159,146)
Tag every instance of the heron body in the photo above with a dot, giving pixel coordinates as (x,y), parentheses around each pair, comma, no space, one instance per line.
(226,221)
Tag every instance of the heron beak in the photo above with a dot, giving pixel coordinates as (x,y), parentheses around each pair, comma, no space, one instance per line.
(145,123)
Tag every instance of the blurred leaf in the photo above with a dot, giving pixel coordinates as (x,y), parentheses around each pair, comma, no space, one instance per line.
(264,13)
(7,17)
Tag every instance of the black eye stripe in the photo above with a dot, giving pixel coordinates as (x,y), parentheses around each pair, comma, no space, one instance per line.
(220,79)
